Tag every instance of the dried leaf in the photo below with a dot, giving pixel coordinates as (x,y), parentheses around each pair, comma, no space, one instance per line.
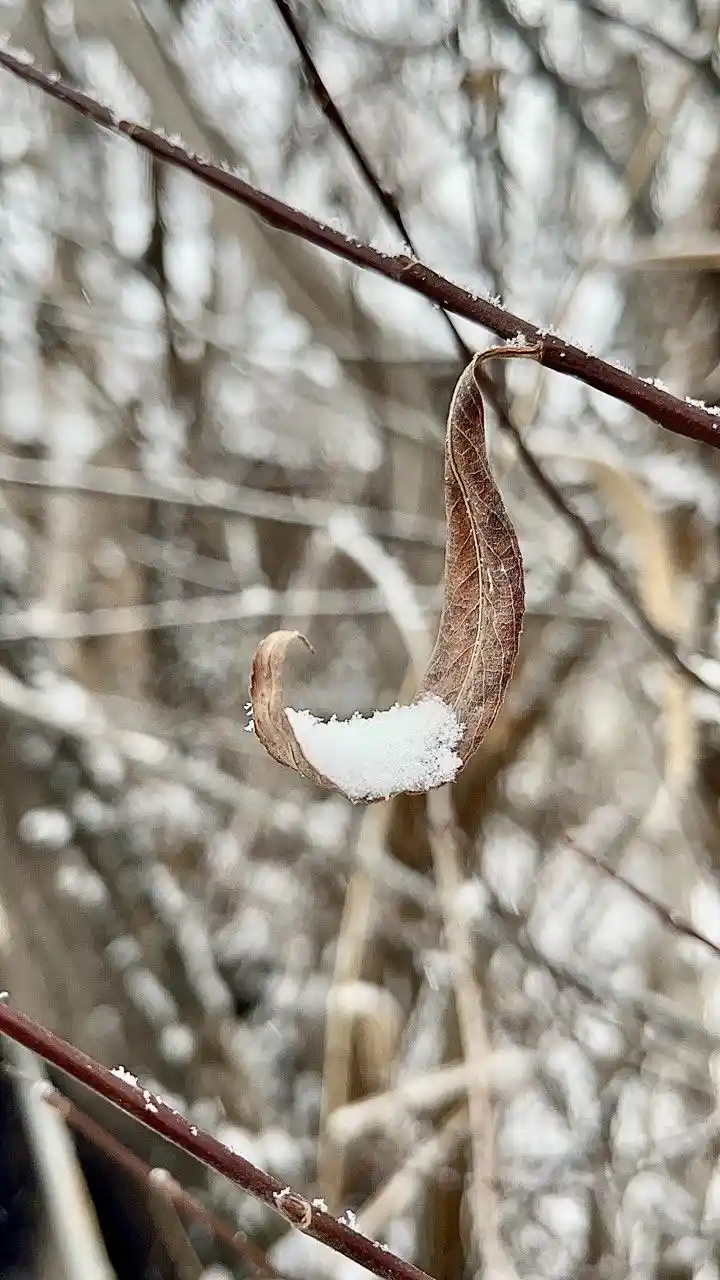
(270,720)
(480,624)
(483,588)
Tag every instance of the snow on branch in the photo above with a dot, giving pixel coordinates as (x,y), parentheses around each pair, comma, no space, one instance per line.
(120,1089)
(684,417)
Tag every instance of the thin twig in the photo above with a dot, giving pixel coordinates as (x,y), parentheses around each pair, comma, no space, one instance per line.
(87,720)
(214,494)
(237,1241)
(678,923)
(151,1111)
(386,199)
(662,642)
(429,1090)
(426,1159)
(660,1014)
(639,167)
(338,122)
(694,421)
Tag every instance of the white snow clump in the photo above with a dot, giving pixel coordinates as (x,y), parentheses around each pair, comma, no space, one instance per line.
(370,758)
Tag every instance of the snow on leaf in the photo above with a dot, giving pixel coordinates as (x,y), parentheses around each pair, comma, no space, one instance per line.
(403,749)
(416,748)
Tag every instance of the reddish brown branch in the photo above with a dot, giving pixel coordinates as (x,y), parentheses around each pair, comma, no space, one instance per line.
(690,420)
(388,202)
(675,414)
(155,1114)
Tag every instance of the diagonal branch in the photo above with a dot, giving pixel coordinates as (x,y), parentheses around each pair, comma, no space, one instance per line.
(233,1239)
(683,417)
(609,567)
(666,915)
(389,203)
(337,121)
(386,199)
(121,1089)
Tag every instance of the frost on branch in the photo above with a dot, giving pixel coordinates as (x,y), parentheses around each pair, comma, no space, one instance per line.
(422,746)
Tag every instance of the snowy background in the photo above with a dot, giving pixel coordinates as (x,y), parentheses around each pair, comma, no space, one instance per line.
(191,408)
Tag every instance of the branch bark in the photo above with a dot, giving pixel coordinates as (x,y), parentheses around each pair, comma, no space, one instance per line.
(684,418)
(155,1114)
(389,203)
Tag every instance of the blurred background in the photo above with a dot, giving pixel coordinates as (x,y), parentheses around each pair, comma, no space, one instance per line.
(210,430)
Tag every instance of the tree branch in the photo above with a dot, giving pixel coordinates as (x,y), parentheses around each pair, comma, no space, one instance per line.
(212,493)
(121,1090)
(619,580)
(666,915)
(386,199)
(233,1239)
(684,418)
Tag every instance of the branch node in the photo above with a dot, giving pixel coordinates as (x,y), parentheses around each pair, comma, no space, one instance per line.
(294,1208)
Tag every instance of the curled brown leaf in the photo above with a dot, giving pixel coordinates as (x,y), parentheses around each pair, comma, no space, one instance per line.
(270,719)
(474,654)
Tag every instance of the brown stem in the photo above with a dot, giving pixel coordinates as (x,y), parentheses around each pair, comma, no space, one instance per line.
(338,122)
(664,643)
(386,199)
(693,421)
(155,1114)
